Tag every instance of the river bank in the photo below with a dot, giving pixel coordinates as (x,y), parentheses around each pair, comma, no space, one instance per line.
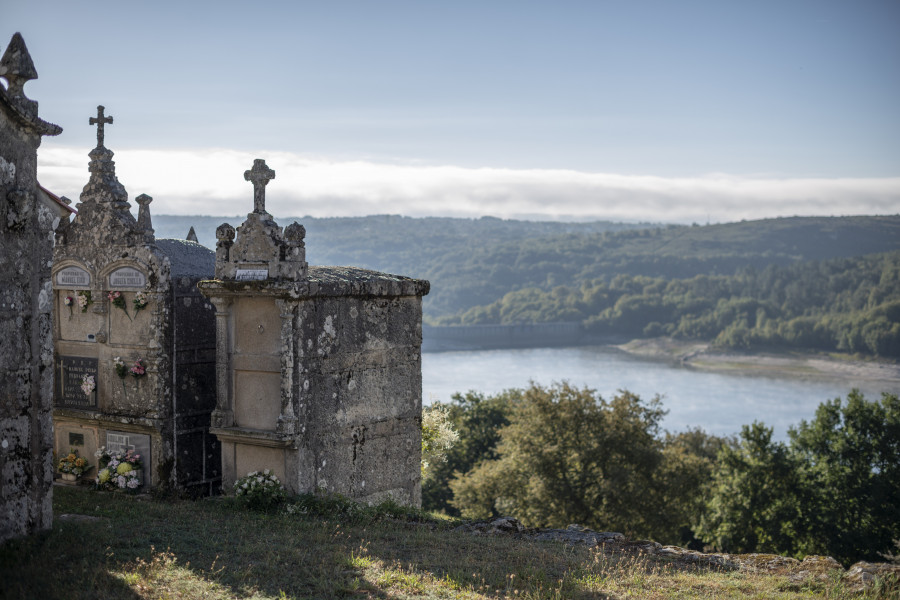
(701,356)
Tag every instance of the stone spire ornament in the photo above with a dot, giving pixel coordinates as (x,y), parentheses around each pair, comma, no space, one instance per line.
(259,175)
(144,223)
(18,69)
(104,186)
(104,205)
(262,250)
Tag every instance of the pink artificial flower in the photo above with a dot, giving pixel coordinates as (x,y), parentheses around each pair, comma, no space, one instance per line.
(138,369)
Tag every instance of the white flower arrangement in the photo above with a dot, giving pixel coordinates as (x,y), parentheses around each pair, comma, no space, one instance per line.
(260,491)
(88,385)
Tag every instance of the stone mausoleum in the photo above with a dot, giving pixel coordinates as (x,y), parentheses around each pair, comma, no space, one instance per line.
(135,340)
(318,368)
(28,218)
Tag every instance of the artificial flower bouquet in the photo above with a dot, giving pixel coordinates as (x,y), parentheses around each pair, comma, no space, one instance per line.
(140,302)
(119,470)
(73,464)
(88,384)
(84,300)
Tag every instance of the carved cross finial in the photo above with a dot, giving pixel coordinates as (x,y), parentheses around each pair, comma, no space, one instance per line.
(99,121)
(260,175)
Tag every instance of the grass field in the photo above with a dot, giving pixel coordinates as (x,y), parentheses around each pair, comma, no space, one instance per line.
(107,545)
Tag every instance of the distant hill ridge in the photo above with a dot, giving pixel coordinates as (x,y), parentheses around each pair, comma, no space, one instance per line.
(473,262)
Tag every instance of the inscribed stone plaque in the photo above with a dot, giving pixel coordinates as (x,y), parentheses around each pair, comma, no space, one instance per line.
(72,371)
(123,441)
(73,277)
(251,274)
(127,277)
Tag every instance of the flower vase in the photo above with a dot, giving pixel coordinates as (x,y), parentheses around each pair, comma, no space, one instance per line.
(69,478)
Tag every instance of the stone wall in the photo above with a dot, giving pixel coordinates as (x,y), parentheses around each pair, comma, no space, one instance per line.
(359,367)
(322,382)
(26,350)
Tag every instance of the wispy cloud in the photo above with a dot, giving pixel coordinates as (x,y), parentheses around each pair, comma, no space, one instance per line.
(210,181)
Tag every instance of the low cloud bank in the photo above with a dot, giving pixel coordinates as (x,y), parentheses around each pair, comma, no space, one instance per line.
(210,181)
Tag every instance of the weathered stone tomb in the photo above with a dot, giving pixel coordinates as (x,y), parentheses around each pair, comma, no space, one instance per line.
(135,341)
(27,221)
(319,368)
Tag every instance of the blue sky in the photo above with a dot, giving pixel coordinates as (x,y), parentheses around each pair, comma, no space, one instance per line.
(671,111)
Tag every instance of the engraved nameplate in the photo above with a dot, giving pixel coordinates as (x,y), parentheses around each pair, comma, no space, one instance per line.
(127,277)
(251,274)
(71,372)
(73,277)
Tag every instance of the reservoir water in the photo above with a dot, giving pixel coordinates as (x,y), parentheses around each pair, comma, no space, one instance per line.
(718,402)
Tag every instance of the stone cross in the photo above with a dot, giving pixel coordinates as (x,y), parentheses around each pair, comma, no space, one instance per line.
(99,120)
(260,175)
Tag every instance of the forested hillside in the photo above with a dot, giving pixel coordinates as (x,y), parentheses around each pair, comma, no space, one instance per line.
(847,304)
(826,282)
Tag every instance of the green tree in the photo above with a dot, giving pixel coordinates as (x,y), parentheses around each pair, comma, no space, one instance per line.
(755,500)
(835,490)
(568,456)
(850,456)
(685,472)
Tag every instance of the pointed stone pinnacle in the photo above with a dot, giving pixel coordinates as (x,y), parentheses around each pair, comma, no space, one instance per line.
(16,65)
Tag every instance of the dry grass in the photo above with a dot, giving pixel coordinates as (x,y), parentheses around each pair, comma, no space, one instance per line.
(141,548)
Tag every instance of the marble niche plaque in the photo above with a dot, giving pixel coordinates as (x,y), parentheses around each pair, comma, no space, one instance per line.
(73,277)
(71,371)
(126,277)
(122,441)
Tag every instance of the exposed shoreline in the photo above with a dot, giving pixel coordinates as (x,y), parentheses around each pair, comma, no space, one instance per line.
(699,355)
